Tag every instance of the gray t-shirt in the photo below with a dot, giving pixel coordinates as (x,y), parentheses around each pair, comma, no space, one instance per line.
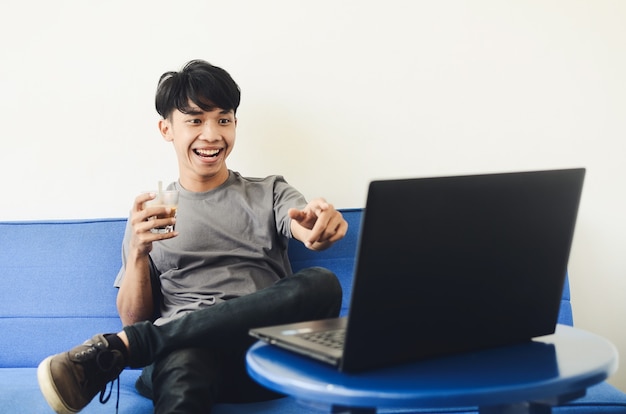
(232,241)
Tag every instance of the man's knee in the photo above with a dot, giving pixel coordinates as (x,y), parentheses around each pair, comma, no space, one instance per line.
(323,280)
(320,286)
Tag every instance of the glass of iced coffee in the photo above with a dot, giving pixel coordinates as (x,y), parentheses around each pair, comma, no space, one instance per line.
(164,198)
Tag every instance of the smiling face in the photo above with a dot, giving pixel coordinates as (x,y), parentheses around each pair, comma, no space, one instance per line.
(202,141)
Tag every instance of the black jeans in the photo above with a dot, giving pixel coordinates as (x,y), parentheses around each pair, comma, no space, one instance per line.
(199,359)
(191,380)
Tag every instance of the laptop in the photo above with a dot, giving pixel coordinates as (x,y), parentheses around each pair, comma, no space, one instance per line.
(448,265)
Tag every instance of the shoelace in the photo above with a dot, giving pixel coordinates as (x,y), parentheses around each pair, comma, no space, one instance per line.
(106,366)
(104,399)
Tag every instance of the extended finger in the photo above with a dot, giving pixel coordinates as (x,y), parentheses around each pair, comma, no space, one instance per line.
(296,214)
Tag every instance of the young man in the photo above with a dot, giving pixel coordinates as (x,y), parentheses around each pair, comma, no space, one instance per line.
(188,298)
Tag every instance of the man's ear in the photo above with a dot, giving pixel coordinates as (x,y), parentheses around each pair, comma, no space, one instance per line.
(164,128)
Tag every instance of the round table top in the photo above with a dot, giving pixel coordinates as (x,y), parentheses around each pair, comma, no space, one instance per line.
(566,362)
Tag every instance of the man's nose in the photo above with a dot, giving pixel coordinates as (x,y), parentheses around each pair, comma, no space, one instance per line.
(210,132)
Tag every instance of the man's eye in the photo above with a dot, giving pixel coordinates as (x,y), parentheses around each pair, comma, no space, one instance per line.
(225,121)
(194,121)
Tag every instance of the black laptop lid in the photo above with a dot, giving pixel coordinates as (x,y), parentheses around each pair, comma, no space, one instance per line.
(453,264)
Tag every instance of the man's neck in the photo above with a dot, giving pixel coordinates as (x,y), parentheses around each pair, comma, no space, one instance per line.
(202,184)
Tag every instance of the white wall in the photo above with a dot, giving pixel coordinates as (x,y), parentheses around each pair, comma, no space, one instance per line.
(335,93)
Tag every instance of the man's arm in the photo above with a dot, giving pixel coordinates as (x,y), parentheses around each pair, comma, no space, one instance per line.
(318,225)
(134,297)
(135,302)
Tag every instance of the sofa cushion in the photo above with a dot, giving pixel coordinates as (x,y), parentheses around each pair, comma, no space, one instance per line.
(56,291)
(20,394)
(56,287)
(339,258)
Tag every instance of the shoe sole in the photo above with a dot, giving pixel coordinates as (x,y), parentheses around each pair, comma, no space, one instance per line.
(49,390)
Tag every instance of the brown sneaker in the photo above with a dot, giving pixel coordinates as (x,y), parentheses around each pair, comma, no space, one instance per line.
(70,380)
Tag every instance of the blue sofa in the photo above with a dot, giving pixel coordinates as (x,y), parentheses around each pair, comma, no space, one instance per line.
(57,291)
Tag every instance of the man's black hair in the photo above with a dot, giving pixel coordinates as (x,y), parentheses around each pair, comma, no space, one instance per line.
(205,85)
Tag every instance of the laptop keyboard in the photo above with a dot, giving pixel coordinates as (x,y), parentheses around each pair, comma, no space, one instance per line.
(332,339)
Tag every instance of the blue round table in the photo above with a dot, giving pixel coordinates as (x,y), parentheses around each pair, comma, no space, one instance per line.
(524,378)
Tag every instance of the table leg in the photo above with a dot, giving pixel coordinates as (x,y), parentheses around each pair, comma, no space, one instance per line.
(338,409)
(520,408)
(536,407)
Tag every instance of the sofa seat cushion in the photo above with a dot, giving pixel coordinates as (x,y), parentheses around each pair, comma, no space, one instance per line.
(601,398)
(20,394)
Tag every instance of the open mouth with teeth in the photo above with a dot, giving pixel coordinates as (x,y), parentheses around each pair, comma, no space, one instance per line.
(207,153)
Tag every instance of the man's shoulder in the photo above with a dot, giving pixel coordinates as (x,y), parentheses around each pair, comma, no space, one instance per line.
(272,188)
